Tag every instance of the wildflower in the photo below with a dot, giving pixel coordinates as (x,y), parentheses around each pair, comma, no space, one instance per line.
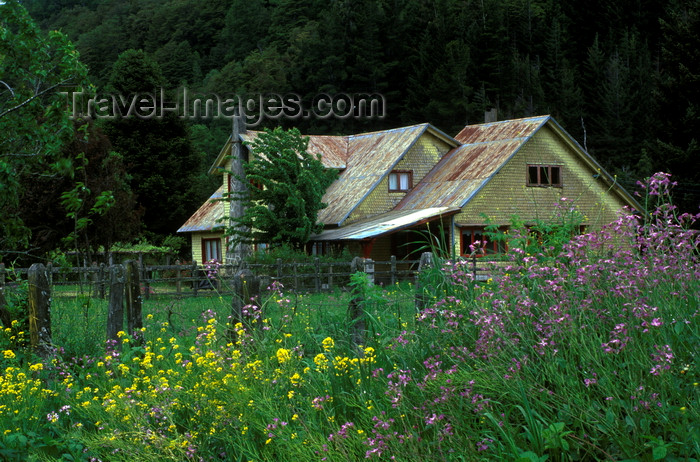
(36,367)
(321,361)
(52,417)
(9,354)
(663,359)
(283,355)
(328,344)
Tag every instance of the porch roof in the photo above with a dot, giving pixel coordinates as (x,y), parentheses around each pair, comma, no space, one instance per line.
(384,224)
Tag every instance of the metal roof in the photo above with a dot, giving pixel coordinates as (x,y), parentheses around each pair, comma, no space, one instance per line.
(463,171)
(503,130)
(208,215)
(364,160)
(332,149)
(383,224)
(373,155)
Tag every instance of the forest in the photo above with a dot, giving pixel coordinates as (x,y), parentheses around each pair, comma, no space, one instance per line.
(621,77)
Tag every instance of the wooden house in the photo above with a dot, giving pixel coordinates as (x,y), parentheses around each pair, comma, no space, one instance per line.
(394,182)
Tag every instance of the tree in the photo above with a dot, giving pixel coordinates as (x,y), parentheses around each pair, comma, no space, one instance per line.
(34,122)
(159,157)
(287,185)
(92,207)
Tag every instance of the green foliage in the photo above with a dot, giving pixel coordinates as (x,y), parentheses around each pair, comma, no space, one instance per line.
(544,238)
(34,68)
(74,201)
(286,187)
(620,77)
(159,156)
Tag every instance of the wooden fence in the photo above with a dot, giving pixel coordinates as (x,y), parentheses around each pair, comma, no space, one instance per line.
(129,283)
(194,279)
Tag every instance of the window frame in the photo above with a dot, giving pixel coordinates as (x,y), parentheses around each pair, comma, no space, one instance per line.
(398,174)
(218,248)
(491,248)
(539,181)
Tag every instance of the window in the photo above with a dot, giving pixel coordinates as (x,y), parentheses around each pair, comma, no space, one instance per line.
(544,175)
(475,236)
(211,249)
(400,181)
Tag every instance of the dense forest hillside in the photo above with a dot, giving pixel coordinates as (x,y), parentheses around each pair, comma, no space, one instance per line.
(621,77)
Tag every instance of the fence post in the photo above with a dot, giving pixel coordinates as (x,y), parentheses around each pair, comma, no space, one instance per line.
(393,270)
(369,269)
(49,274)
(473,266)
(39,309)
(144,277)
(5,316)
(356,306)
(133,297)
(317,274)
(102,281)
(246,289)
(296,276)
(330,277)
(178,282)
(426,262)
(195,278)
(115,312)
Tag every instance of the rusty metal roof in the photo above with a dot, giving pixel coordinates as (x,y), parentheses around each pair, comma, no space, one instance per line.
(503,130)
(206,218)
(463,171)
(372,156)
(332,149)
(383,224)
(364,160)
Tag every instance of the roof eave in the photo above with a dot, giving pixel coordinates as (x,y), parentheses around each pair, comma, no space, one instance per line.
(219,163)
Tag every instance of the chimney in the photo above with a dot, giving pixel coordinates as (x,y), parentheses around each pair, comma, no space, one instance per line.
(491,115)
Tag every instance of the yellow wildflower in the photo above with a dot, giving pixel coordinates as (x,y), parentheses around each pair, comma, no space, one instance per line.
(328,344)
(283,355)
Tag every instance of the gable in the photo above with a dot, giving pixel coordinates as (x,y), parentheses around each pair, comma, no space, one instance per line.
(463,171)
(372,157)
(419,160)
(507,194)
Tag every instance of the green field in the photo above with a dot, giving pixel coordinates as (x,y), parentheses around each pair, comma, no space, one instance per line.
(589,354)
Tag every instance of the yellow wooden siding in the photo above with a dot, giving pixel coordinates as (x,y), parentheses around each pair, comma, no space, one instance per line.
(419,159)
(197,245)
(507,195)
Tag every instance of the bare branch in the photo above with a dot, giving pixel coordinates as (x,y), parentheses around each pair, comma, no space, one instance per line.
(36,95)
(8,87)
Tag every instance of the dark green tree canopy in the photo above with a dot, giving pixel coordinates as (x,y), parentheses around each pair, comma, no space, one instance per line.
(34,125)
(286,187)
(158,154)
(621,77)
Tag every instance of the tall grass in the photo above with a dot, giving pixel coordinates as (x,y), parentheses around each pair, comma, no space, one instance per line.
(586,356)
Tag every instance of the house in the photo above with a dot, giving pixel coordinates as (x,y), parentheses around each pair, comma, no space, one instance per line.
(395,181)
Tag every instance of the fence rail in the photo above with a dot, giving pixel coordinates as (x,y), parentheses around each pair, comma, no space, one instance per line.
(193,278)
(128,284)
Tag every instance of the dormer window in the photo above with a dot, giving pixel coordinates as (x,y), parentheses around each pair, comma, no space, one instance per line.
(544,175)
(400,181)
